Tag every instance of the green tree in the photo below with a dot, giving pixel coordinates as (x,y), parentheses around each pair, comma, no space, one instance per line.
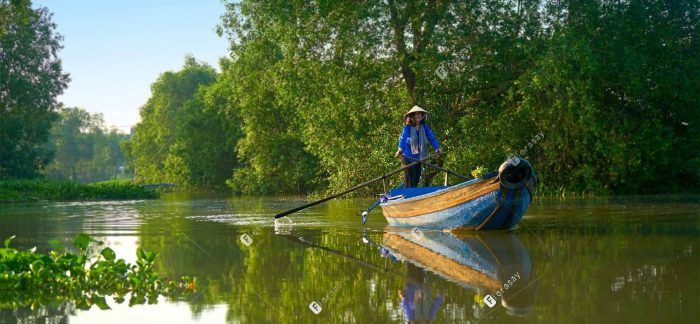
(613,93)
(273,159)
(30,80)
(351,71)
(184,136)
(84,150)
(605,82)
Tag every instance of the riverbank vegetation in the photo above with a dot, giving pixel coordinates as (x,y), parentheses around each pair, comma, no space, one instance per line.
(597,95)
(600,96)
(85,278)
(40,139)
(42,189)
(84,150)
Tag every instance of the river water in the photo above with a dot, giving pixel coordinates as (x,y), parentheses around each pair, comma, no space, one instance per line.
(632,259)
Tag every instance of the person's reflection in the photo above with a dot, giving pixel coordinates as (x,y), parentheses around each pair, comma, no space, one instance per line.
(416,299)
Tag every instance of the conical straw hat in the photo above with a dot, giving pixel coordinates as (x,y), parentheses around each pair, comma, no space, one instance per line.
(416,109)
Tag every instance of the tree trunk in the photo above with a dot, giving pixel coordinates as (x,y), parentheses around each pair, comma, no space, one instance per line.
(399,26)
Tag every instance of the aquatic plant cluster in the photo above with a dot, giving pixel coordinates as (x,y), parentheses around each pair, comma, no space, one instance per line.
(40,189)
(85,278)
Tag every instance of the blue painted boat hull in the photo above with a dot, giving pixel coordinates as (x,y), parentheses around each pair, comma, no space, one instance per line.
(482,204)
(472,214)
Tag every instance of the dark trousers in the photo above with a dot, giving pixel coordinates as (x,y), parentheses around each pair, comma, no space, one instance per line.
(411,175)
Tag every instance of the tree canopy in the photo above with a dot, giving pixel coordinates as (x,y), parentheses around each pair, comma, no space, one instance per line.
(30,80)
(84,151)
(184,137)
(601,95)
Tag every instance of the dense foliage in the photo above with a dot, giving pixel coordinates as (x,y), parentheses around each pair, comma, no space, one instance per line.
(29,278)
(84,151)
(600,95)
(183,137)
(30,80)
(41,189)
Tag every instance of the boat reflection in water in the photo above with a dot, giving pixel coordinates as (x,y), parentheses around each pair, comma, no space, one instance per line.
(490,263)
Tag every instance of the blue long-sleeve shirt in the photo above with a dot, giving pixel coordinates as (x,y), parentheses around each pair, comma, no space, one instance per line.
(405,140)
(409,306)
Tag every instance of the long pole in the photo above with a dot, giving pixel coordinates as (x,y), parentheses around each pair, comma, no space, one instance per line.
(362,185)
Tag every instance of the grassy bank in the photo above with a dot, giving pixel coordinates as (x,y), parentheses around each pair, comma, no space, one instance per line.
(42,189)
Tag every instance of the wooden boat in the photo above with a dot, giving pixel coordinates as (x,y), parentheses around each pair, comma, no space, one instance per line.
(492,263)
(496,201)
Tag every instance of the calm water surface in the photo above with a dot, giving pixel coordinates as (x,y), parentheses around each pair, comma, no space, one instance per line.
(578,260)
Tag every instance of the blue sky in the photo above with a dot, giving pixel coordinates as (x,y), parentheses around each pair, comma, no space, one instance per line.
(115,50)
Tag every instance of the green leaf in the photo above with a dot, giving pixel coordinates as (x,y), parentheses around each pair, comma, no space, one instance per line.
(100,302)
(82,304)
(9,240)
(150,256)
(108,254)
(82,241)
(56,245)
(140,253)
(36,266)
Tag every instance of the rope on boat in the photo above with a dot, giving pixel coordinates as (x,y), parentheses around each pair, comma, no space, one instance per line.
(495,210)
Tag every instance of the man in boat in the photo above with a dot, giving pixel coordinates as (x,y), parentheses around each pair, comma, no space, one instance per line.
(413,144)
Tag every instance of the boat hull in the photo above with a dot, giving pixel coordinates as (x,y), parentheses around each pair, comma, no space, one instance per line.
(471,214)
(483,204)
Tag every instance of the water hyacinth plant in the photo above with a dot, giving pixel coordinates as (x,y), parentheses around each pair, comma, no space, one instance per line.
(85,278)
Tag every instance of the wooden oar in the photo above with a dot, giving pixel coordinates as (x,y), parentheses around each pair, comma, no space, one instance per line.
(362,185)
(442,169)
